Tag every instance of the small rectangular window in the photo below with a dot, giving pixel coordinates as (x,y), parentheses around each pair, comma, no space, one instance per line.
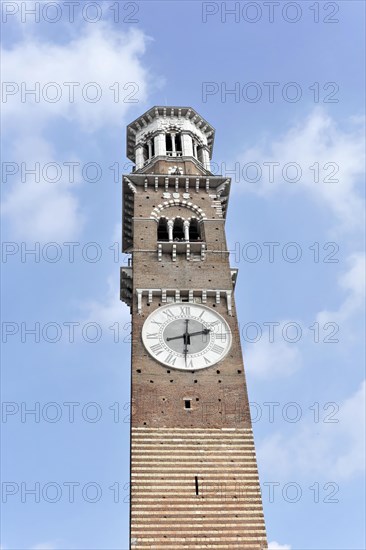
(187,403)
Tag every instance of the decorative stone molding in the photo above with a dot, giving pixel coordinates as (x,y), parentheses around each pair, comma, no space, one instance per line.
(177,202)
(174,294)
(131,186)
(175,170)
(167,195)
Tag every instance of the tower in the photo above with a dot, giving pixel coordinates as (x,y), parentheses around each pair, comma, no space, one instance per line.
(194,477)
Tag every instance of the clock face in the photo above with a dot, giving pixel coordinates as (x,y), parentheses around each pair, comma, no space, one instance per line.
(186,336)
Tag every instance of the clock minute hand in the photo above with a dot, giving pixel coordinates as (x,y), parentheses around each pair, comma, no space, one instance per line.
(186,342)
(205,331)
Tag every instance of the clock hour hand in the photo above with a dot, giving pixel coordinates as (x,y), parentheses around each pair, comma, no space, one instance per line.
(175,338)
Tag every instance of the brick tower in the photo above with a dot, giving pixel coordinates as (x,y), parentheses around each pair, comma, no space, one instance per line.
(194,477)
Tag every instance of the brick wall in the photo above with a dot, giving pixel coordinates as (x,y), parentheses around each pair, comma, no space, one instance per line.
(194,479)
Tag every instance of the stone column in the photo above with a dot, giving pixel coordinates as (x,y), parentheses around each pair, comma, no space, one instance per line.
(206,158)
(173,144)
(159,143)
(186,230)
(170,230)
(149,146)
(187,145)
(139,157)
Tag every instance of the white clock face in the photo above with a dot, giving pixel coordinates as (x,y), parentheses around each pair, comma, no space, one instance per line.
(186,336)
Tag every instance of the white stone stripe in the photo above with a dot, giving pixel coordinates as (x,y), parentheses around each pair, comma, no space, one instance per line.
(192,435)
(195,546)
(181,479)
(172,514)
(189,444)
(182,450)
(233,467)
(161,467)
(183,546)
(254,503)
(198,522)
(191,430)
(213,499)
(240,538)
(217,546)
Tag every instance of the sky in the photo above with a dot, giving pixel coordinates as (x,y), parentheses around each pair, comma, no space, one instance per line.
(283,85)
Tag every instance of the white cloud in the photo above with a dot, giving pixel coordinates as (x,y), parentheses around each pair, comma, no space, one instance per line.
(268,360)
(276,546)
(353,283)
(99,54)
(42,211)
(332,449)
(45,211)
(316,139)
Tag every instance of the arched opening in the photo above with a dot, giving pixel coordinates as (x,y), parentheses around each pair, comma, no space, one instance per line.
(163,234)
(178,231)
(168,144)
(145,151)
(200,154)
(194,230)
(178,145)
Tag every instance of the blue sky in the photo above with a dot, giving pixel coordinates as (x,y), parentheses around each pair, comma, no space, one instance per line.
(183,53)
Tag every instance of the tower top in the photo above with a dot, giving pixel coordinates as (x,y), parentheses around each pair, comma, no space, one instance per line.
(170,133)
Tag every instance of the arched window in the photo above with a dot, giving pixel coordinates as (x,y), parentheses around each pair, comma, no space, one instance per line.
(173,144)
(200,154)
(178,144)
(148,150)
(163,230)
(145,150)
(178,231)
(168,144)
(194,230)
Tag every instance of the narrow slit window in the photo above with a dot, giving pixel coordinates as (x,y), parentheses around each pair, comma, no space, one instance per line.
(196,485)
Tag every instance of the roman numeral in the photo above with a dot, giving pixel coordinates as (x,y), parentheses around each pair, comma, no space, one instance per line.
(171,359)
(221,336)
(190,364)
(169,313)
(217,349)
(152,336)
(157,349)
(156,323)
(207,361)
(185,310)
(200,316)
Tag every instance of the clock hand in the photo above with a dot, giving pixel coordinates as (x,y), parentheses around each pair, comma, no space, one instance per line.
(175,337)
(205,331)
(186,342)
